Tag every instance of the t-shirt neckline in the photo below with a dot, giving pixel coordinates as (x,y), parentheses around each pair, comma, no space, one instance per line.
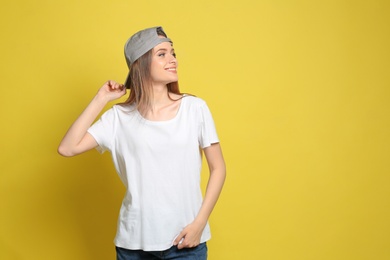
(164,121)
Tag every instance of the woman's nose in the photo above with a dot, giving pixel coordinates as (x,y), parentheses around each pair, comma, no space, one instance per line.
(173,59)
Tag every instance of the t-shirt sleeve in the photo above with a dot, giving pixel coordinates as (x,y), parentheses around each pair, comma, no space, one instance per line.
(207,133)
(103,131)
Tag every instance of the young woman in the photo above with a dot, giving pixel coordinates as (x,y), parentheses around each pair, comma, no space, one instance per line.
(156,139)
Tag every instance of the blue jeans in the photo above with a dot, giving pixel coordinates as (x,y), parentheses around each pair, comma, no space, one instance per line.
(195,253)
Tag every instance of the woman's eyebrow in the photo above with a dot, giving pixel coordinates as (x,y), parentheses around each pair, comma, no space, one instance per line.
(162,49)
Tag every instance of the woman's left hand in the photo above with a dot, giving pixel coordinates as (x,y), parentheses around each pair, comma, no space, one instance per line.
(189,236)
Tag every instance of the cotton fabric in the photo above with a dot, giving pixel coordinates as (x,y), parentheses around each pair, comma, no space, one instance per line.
(159,162)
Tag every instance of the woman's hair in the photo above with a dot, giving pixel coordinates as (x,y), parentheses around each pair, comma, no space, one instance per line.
(141,92)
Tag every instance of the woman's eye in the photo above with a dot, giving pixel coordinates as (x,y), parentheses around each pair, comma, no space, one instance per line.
(163,54)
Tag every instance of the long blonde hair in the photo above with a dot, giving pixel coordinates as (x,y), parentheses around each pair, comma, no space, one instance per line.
(141,91)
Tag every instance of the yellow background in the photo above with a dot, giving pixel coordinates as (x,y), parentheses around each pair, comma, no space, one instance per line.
(299,91)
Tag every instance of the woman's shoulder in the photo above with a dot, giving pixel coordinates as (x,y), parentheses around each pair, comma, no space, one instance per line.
(123,108)
(119,111)
(193,100)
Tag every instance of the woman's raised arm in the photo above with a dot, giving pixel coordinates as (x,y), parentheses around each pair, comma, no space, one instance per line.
(77,140)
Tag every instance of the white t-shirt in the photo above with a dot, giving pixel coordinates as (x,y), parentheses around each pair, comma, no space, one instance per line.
(159,162)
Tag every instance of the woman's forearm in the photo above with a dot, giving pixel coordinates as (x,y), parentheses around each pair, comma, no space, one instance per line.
(213,190)
(78,130)
(215,183)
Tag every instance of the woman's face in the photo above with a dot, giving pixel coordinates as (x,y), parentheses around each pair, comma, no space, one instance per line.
(164,64)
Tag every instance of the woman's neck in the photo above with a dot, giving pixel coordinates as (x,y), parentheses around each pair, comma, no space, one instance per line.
(160,96)
(164,105)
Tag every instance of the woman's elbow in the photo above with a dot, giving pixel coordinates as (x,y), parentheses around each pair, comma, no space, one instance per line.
(64,151)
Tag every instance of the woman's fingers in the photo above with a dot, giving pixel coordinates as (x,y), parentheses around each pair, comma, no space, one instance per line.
(113,85)
(112,90)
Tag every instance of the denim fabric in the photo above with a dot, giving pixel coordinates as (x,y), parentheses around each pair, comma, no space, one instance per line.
(196,253)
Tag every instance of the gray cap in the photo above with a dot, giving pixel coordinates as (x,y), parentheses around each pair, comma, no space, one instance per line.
(139,44)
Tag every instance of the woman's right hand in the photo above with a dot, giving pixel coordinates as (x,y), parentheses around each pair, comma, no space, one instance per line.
(111,90)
